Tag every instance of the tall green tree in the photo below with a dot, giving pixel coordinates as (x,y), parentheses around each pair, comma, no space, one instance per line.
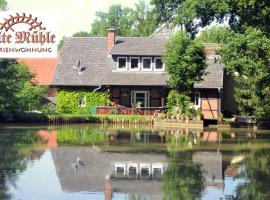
(185,62)
(140,21)
(215,34)
(145,21)
(257,173)
(119,18)
(239,14)
(18,92)
(247,57)
(3,5)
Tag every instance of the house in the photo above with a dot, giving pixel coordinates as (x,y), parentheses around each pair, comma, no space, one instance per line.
(109,172)
(132,69)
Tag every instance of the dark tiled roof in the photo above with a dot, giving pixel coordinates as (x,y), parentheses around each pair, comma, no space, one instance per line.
(213,77)
(96,166)
(139,46)
(136,78)
(147,46)
(93,56)
(98,66)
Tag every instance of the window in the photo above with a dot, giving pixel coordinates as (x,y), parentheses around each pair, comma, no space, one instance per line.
(82,101)
(121,63)
(140,99)
(159,64)
(197,100)
(147,64)
(134,64)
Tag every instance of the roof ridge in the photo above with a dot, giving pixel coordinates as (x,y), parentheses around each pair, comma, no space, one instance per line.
(158,29)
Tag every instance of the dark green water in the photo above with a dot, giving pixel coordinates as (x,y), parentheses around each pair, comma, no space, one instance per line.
(133,163)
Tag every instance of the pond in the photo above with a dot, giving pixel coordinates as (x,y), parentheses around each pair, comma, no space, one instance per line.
(133,163)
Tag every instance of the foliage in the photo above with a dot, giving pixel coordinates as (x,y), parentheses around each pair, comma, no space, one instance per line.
(126,21)
(257,173)
(49,108)
(215,34)
(178,104)
(15,146)
(18,93)
(239,14)
(77,34)
(3,5)
(185,62)
(68,100)
(81,34)
(139,22)
(77,136)
(247,57)
(182,180)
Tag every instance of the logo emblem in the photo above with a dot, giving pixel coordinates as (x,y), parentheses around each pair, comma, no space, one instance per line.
(23,35)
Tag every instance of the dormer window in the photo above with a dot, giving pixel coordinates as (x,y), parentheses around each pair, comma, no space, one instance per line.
(147,64)
(159,66)
(134,64)
(122,63)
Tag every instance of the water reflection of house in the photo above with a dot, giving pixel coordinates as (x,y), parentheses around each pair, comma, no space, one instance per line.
(210,136)
(211,166)
(84,169)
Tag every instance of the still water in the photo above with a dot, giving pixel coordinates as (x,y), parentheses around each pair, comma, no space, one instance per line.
(133,163)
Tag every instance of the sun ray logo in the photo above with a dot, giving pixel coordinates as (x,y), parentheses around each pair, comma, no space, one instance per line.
(23,35)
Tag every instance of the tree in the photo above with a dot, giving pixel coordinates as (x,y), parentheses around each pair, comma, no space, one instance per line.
(18,93)
(145,21)
(119,18)
(247,57)
(239,14)
(77,34)
(125,21)
(82,34)
(215,34)
(185,62)
(3,5)
(182,180)
(184,59)
(16,146)
(256,171)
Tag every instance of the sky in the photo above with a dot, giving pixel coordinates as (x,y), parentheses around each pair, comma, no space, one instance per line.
(71,15)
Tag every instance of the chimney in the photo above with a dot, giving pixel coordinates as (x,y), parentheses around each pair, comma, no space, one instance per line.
(111,39)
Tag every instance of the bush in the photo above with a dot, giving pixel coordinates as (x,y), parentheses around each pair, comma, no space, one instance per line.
(68,100)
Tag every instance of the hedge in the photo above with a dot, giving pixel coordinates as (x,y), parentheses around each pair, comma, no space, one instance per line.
(68,100)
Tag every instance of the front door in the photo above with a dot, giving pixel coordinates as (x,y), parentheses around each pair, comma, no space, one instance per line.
(140,99)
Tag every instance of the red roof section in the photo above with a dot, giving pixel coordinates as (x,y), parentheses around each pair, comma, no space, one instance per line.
(42,68)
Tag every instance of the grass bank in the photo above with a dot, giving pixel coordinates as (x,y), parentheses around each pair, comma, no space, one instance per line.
(55,119)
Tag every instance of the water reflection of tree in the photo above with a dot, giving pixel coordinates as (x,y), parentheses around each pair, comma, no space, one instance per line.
(181,141)
(182,179)
(14,147)
(257,173)
(79,136)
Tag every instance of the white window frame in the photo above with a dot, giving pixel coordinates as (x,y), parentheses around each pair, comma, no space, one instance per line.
(122,69)
(151,65)
(139,64)
(147,97)
(120,165)
(155,64)
(199,99)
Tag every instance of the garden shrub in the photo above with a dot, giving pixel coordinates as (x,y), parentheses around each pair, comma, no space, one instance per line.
(68,100)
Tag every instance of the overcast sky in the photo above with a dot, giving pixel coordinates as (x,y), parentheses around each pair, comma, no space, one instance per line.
(72,15)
